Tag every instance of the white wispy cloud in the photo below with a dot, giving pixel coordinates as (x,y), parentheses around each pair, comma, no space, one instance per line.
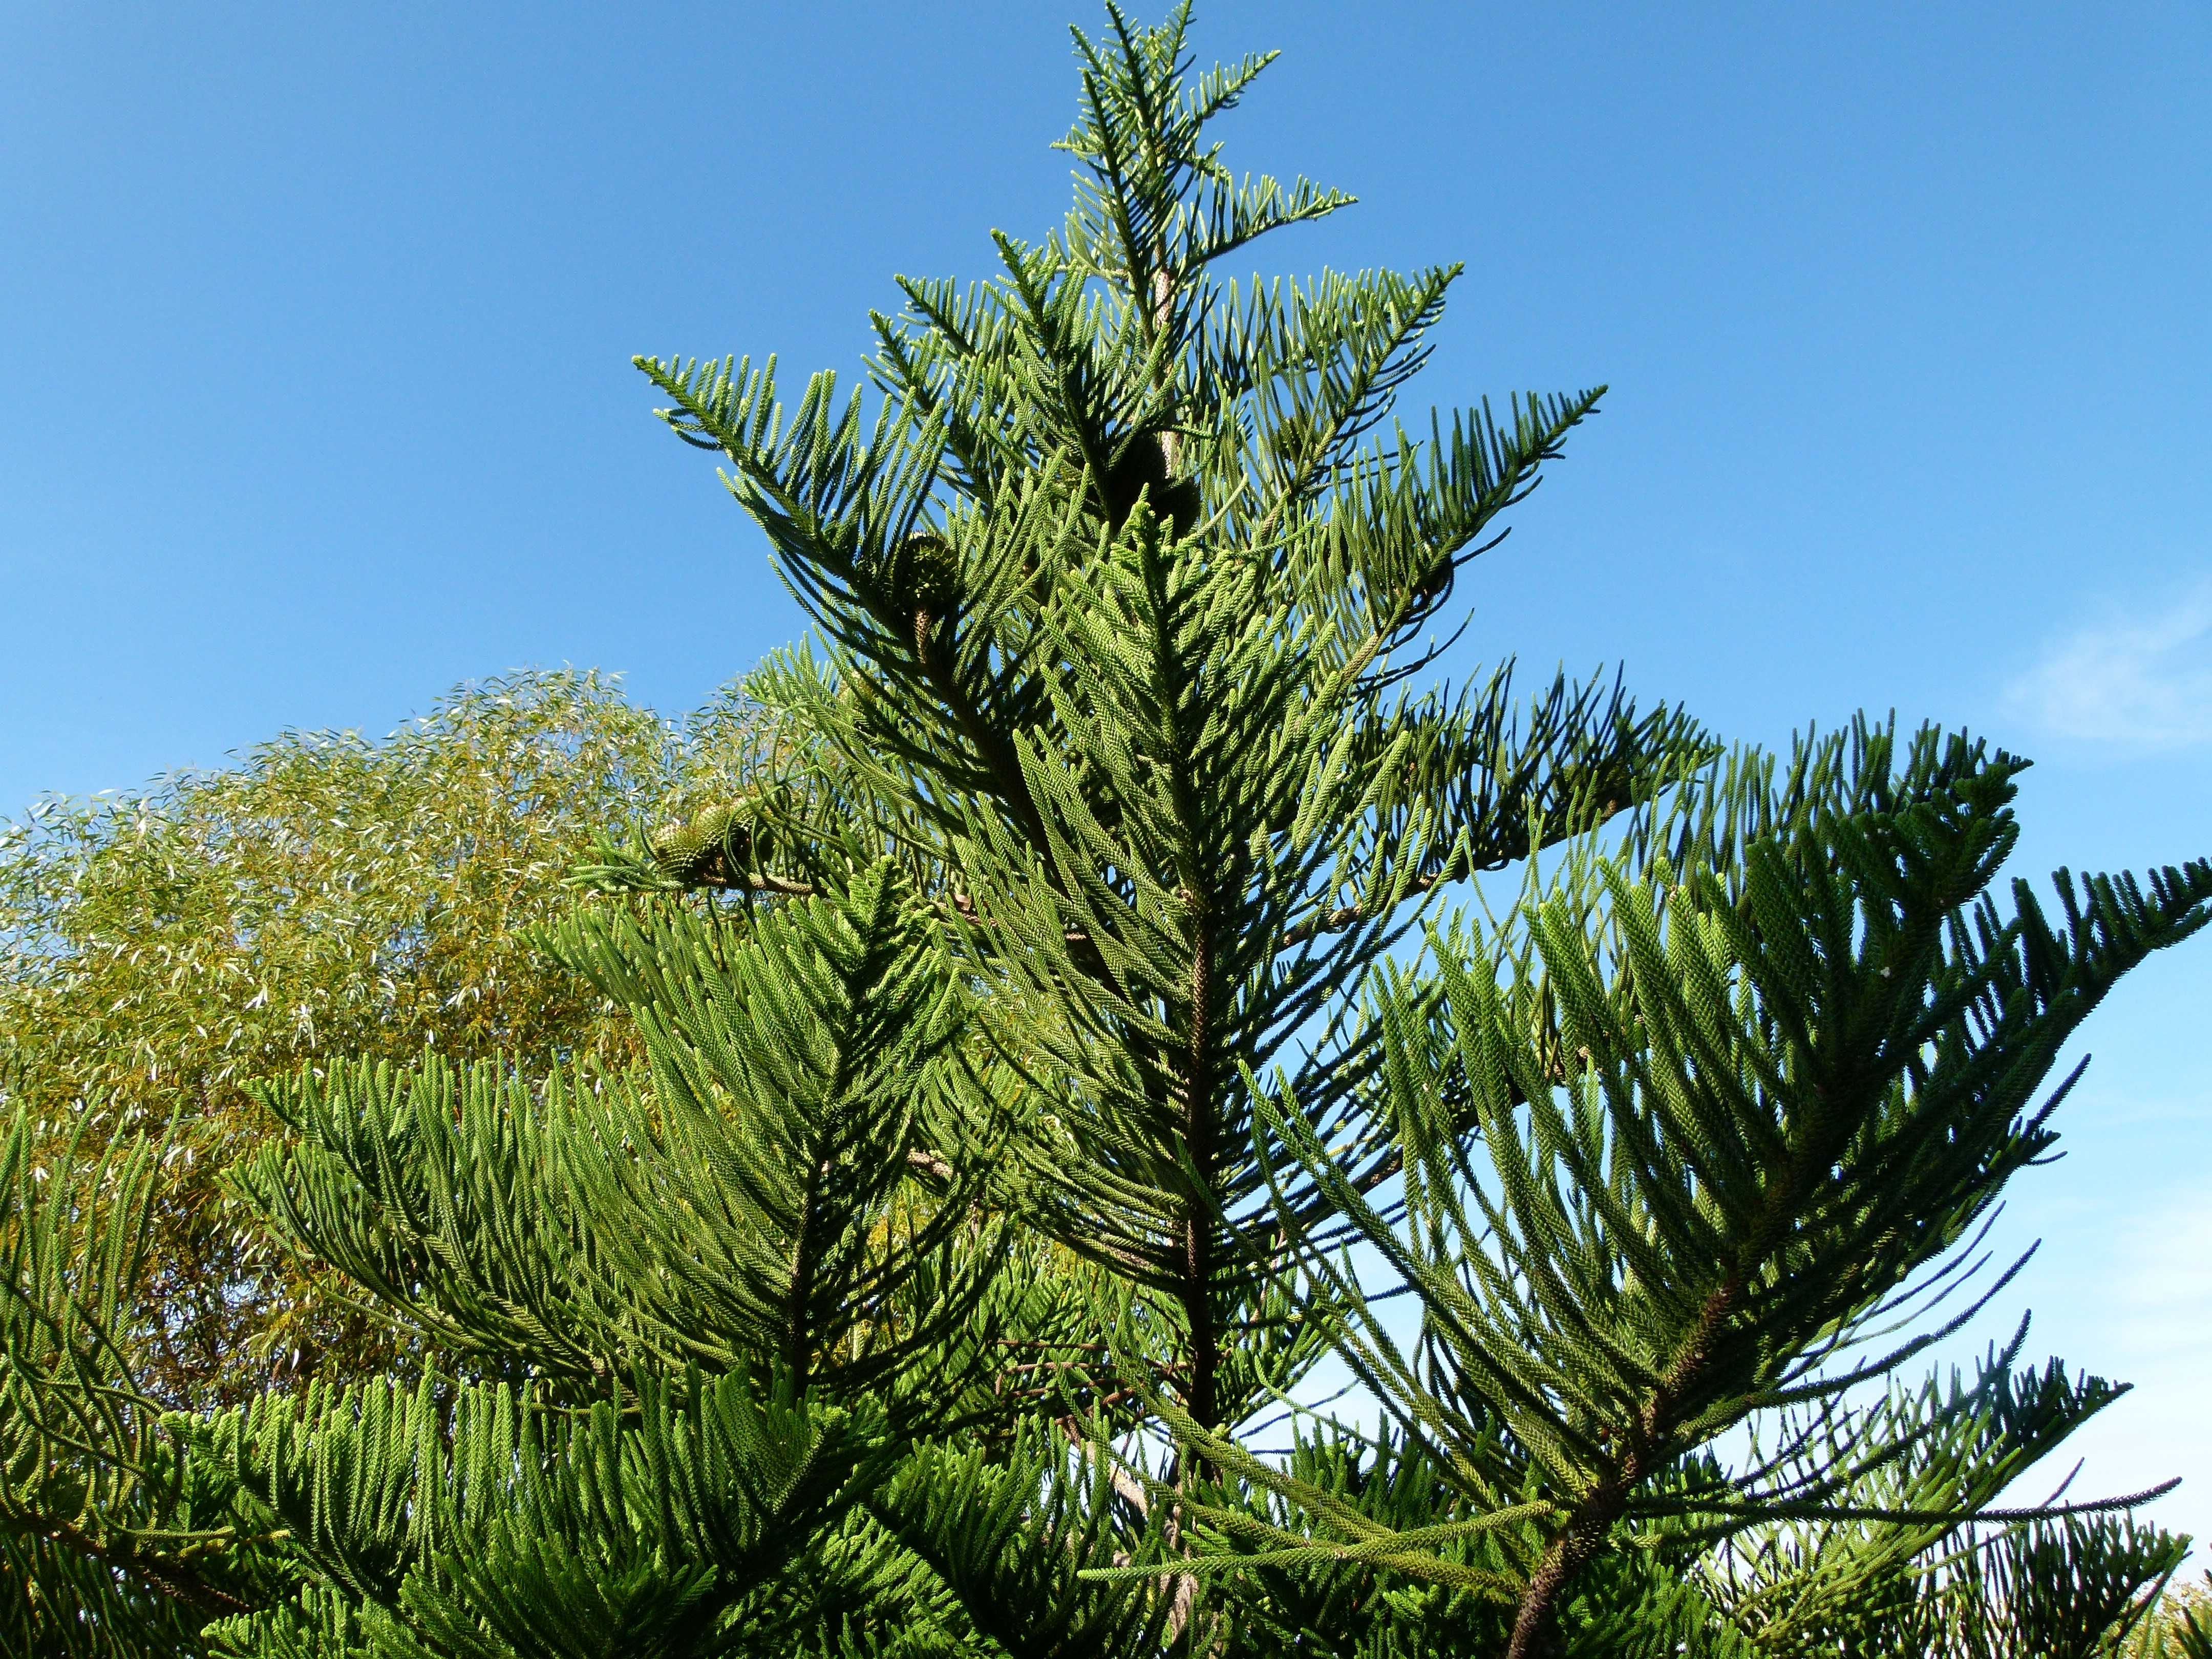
(2143,679)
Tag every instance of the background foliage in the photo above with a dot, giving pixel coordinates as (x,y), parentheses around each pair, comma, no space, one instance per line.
(328,895)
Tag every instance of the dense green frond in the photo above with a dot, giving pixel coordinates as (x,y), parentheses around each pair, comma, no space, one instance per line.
(56,1602)
(321,1621)
(825,493)
(1696,1133)
(858,1593)
(803,1076)
(1859,1500)
(499,1528)
(2070,1589)
(1407,515)
(79,1441)
(758,1201)
(1309,369)
(1011,1533)
(111,1533)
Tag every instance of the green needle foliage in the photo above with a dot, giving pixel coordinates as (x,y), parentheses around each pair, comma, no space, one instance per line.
(1119,585)
(492,1528)
(112,1539)
(1051,1042)
(743,1200)
(1687,1138)
(1009,1532)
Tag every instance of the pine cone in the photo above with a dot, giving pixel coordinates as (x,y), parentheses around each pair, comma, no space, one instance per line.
(1142,470)
(677,848)
(709,850)
(923,574)
(713,824)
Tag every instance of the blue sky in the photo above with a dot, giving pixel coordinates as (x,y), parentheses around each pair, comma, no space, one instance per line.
(315,325)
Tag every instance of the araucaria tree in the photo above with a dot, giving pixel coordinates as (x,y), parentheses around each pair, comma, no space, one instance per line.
(1071,1033)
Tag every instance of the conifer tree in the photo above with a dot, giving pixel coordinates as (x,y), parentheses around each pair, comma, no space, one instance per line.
(1121,588)
(1685,1141)
(1027,1043)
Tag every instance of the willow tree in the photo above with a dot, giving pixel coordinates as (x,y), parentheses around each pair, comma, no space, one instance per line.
(324,895)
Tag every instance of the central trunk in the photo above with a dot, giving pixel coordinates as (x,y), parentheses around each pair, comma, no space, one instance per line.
(1201,1395)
